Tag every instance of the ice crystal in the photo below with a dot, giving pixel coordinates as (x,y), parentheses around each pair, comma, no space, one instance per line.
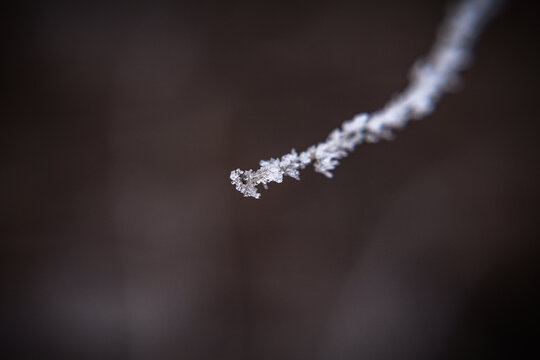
(430,78)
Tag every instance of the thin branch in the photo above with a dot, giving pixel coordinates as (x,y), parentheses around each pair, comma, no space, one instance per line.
(430,79)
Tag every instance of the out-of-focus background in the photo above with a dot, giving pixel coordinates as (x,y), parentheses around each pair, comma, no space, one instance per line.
(122,237)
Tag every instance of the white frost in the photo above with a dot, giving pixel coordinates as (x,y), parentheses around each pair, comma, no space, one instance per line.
(430,78)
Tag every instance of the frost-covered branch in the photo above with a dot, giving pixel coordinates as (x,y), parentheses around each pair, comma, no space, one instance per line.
(430,78)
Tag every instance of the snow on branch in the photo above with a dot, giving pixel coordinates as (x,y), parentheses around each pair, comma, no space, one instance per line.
(430,79)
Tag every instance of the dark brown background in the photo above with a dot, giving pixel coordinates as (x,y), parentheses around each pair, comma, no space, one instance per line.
(123,239)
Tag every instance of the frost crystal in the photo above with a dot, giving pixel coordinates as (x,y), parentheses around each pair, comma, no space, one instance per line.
(430,78)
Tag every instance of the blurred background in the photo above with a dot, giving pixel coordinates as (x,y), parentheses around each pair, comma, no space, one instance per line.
(122,237)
